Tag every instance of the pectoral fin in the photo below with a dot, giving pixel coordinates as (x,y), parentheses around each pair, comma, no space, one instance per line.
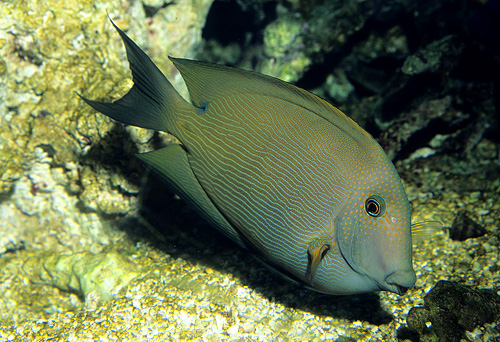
(315,253)
(424,230)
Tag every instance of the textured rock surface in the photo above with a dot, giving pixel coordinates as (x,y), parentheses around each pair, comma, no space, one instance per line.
(89,248)
(450,309)
(463,228)
(58,186)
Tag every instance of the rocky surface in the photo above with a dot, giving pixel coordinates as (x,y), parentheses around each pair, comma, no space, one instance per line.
(450,309)
(91,249)
(463,228)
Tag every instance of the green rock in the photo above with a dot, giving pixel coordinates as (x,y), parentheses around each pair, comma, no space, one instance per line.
(94,277)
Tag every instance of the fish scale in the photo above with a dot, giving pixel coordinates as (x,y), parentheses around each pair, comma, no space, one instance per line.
(278,170)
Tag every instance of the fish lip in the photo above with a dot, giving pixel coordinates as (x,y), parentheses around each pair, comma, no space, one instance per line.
(398,285)
(402,289)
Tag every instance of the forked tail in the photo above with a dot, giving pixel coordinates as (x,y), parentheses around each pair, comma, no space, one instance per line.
(151,102)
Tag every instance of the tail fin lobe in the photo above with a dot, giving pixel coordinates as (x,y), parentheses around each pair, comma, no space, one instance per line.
(151,100)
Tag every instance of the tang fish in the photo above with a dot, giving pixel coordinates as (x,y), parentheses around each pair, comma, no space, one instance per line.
(278,170)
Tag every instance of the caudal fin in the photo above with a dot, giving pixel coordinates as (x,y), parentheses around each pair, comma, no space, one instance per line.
(152,99)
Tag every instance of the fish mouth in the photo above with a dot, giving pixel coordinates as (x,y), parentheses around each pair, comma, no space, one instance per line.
(402,289)
(401,281)
(387,285)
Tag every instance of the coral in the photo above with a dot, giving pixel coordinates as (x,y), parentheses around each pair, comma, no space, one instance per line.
(94,277)
(285,49)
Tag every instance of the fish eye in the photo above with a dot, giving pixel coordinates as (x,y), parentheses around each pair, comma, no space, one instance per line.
(375,206)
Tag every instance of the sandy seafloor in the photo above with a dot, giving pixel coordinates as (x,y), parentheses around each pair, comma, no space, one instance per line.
(88,256)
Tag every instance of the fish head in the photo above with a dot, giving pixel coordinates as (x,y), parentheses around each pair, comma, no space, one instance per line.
(373,230)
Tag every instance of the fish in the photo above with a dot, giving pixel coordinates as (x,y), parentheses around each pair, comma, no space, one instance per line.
(277,169)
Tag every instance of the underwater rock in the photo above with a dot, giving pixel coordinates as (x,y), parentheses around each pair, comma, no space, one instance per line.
(450,309)
(105,196)
(285,48)
(403,135)
(94,277)
(41,211)
(440,55)
(463,228)
(373,61)
(42,63)
(172,28)
(282,39)
(338,86)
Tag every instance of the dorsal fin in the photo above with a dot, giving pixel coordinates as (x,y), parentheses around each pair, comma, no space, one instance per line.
(207,81)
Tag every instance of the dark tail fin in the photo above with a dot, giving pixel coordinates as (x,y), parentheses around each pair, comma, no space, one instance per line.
(151,100)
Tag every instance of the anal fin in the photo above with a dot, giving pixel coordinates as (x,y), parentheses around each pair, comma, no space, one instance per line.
(171,164)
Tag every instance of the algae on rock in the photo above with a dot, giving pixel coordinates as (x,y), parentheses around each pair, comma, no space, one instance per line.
(59,160)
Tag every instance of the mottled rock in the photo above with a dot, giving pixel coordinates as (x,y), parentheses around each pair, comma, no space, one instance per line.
(401,137)
(94,277)
(450,309)
(63,168)
(440,55)
(285,48)
(463,228)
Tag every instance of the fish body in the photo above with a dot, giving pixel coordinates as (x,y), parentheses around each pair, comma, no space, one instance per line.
(278,170)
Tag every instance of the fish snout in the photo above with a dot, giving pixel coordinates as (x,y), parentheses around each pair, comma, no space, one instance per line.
(401,281)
